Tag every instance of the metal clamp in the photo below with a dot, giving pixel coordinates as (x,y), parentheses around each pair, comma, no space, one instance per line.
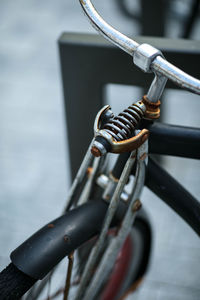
(106,141)
(144,56)
(159,65)
(121,146)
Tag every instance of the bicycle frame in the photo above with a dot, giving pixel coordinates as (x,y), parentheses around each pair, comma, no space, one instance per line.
(174,140)
(58,238)
(157,180)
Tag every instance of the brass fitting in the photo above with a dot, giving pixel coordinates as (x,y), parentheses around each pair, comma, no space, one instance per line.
(152,108)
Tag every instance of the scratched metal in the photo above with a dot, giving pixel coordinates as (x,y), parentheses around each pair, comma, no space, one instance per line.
(159,64)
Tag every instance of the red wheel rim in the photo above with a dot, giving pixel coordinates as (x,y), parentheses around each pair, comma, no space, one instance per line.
(118,275)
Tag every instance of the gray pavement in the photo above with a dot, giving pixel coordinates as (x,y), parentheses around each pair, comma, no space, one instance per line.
(34,169)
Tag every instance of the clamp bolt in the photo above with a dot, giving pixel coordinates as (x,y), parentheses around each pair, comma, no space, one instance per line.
(144,56)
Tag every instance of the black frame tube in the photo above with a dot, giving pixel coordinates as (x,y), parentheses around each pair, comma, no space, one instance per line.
(174,140)
(173,194)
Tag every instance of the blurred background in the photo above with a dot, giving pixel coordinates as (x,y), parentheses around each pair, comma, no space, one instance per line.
(34,160)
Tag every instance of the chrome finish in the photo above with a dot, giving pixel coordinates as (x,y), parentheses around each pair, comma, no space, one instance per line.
(159,65)
(124,196)
(110,255)
(87,274)
(156,88)
(144,55)
(176,75)
(106,30)
(103,181)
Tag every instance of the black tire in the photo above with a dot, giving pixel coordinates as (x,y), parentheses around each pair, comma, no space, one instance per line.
(14,283)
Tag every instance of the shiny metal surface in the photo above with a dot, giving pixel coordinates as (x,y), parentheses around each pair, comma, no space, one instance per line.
(182,79)
(156,88)
(159,65)
(111,34)
(144,55)
(103,181)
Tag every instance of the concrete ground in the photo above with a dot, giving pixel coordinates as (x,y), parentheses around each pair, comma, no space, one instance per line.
(34,169)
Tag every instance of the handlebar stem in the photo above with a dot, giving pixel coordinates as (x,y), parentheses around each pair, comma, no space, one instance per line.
(159,65)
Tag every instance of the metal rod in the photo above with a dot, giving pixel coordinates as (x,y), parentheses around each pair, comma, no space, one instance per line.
(117,242)
(89,184)
(156,88)
(111,34)
(159,64)
(108,218)
(79,177)
(182,79)
(68,277)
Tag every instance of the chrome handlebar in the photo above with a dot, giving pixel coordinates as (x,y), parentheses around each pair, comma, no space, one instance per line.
(159,65)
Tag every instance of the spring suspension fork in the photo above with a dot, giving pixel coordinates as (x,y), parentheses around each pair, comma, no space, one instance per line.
(115,135)
(122,126)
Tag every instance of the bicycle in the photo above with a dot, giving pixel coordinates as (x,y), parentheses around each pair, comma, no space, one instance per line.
(112,134)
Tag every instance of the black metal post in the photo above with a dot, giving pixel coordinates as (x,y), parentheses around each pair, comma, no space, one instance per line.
(153,17)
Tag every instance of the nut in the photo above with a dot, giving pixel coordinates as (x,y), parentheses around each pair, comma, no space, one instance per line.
(95,151)
(152,108)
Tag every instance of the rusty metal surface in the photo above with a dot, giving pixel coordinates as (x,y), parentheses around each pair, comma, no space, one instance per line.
(118,129)
(108,218)
(152,108)
(121,127)
(110,254)
(69,276)
(130,144)
(42,148)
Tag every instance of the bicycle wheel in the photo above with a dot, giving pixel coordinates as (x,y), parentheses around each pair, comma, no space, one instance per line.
(130,264)
(81,224)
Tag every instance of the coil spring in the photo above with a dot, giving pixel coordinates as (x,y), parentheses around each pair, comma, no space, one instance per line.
(121,127)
